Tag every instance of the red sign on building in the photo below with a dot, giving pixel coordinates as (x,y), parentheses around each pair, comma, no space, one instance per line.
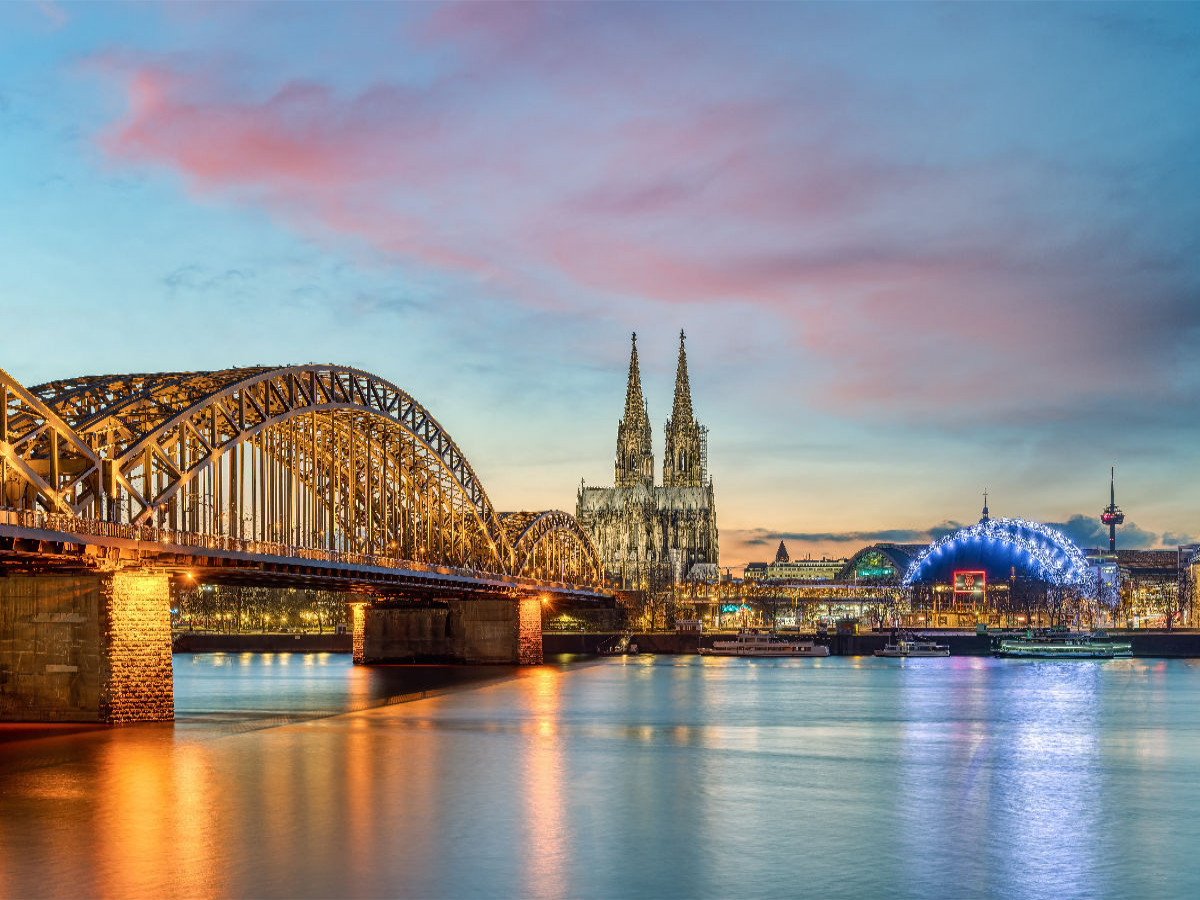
(970,582)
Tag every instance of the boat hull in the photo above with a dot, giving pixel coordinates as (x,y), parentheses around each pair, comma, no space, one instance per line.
(912,654)
(764,644)
(815,651)
(1029,652)
(1061,644)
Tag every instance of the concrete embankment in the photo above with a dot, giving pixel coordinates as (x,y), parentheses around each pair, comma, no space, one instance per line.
(201,642)
(1149,644)
(1163,644)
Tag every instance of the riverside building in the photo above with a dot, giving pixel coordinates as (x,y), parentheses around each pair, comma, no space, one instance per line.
(786,569)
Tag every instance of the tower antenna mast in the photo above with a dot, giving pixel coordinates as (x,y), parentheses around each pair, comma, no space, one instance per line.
(1112,515)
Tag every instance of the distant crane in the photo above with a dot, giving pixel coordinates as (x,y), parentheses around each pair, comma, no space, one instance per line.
(1112,515)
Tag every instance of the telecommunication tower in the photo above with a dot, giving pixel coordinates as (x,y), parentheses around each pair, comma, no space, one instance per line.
(1112,515)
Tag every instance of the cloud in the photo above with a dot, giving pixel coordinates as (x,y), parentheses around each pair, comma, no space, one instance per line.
(1179,539)
(761,537)
(1088,532)
(230,283)
(564,155)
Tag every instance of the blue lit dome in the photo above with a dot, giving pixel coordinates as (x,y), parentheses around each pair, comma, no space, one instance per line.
(1001,547)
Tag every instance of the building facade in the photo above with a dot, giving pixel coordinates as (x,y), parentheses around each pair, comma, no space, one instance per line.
(652,535)
(786,569)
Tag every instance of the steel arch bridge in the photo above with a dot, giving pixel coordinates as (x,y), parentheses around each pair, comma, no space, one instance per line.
(312,458)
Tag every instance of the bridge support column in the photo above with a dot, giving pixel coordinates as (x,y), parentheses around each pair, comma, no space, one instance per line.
(529,631)
(86,648)
(358,631)
(470,631)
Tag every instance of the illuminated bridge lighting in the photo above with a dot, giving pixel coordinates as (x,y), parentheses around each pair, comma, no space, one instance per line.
(1046,551)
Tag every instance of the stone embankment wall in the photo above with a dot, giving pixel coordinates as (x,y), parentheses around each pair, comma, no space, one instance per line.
(204,642)
(1150,644)
(85,648)
(1163,644)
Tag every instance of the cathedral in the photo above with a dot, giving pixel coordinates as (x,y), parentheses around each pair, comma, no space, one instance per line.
(651,535)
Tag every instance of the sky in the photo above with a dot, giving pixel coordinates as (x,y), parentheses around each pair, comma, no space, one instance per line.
(919,250)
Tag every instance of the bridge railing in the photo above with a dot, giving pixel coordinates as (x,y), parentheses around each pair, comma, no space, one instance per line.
(38,520)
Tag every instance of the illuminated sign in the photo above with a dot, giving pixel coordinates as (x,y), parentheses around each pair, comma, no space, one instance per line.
(970,582)
(875,572)
(731,608)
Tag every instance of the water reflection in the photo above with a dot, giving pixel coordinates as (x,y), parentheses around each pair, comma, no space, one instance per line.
(656,777)
(1055,807)
(1000,776)
(545,849)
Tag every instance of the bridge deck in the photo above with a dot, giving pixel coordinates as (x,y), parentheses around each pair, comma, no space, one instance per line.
(38,542)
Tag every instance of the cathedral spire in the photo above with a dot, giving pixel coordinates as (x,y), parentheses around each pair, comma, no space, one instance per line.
(635,407)
(682,410)
(635,458)
(685,454)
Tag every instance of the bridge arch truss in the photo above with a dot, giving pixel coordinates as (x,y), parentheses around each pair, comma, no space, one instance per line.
(552,545)
(321,457)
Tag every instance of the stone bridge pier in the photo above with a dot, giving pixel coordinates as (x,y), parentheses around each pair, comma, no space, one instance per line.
(454,630)
(86,648)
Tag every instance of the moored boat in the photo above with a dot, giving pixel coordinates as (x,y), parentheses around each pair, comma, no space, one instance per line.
(1058,644)
(622,646)
(764,644)
(912,647)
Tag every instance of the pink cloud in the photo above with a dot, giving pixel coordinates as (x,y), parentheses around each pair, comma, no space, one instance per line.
(286,144)
(543,154)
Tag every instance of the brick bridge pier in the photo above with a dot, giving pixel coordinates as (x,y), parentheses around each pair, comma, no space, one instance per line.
(93,647)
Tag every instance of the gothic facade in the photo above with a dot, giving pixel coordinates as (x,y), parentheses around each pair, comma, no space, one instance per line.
(649,535)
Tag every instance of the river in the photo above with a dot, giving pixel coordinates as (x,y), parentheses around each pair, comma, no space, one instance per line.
(294,775)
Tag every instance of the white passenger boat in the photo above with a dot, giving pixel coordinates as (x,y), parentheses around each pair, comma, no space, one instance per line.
(764,643)
(912,647)
(1054,644)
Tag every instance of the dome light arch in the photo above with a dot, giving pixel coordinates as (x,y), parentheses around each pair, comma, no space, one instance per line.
(1044,551)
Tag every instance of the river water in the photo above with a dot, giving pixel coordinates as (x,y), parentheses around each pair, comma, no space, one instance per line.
(304,776)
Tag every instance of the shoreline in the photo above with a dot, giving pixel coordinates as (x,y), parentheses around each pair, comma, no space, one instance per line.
(1149,644)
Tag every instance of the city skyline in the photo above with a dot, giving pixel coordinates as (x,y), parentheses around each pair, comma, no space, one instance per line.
(918,251)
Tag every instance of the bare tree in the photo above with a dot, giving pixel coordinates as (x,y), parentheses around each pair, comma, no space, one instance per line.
(887,606)
(1056,600)
(1106,595)
(1026,597)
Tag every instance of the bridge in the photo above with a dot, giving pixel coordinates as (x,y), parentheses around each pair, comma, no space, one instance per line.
(316,475)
